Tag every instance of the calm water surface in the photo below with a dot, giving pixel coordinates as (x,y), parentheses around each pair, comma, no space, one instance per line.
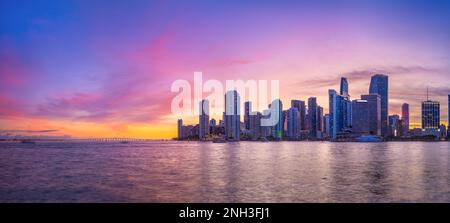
(234,172)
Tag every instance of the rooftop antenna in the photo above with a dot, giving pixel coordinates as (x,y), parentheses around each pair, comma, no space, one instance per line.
(427,95)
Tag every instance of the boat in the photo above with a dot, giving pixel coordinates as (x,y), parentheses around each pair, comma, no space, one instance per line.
(124,142)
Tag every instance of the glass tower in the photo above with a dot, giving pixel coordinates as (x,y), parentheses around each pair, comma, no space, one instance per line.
(430,114)
(232,116)
(379,84)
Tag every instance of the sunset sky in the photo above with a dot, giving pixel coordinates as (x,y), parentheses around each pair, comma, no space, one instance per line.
(104,68)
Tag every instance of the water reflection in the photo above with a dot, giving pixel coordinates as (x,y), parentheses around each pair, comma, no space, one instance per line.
(232,172)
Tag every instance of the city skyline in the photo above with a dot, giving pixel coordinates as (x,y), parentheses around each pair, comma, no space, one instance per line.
(348,120)
(84,70)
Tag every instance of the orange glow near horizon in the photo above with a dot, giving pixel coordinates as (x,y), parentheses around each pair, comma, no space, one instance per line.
(106,70)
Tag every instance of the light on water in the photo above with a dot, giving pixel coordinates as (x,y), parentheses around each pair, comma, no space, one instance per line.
(174,171)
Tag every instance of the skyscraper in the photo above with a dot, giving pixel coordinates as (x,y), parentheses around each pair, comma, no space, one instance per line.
(277,129)
(430,114)
(340,110)
(232,115)
(319,118)
(326,125)
(255,125)
(203,117)
(344,87)
(265,130)
(379,84)
(335,113)
(300,105)
(293,119)
(448,124)
(374,113)
(405,118)
(340,113)
(180,129)
(360,117)
(312,117)
(248,110)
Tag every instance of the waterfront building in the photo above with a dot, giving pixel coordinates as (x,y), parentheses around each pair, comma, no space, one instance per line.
(405,118)
(430,114)
(379,84)
(335,113)
(312,117)
(293,123)
(300,105)
(277,129)
(189,132)
(360,117)
(247,111)
(180,129)
(319,119)
(203,117)
(326,121)
(255,125)
(340,111)
(266,131)
(232,116)
(374,117)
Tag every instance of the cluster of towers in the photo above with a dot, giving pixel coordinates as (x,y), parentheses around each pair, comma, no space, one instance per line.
(346,120)
(365,116)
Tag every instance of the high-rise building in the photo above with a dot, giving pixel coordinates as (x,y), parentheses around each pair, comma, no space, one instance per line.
(180,129)
(284,122)
(326,125)
(346,104)
(379,84)
(340,108)
(266,131)
(335,113)
(300,105)
(405,118)
(448,123)
(344,87)
(232,115)
(255,125)
(312,117)
(430,114)
(277,129)
(203,117)
(319,119)
(360,117)
(293,123)
(248,110)
(374,113)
